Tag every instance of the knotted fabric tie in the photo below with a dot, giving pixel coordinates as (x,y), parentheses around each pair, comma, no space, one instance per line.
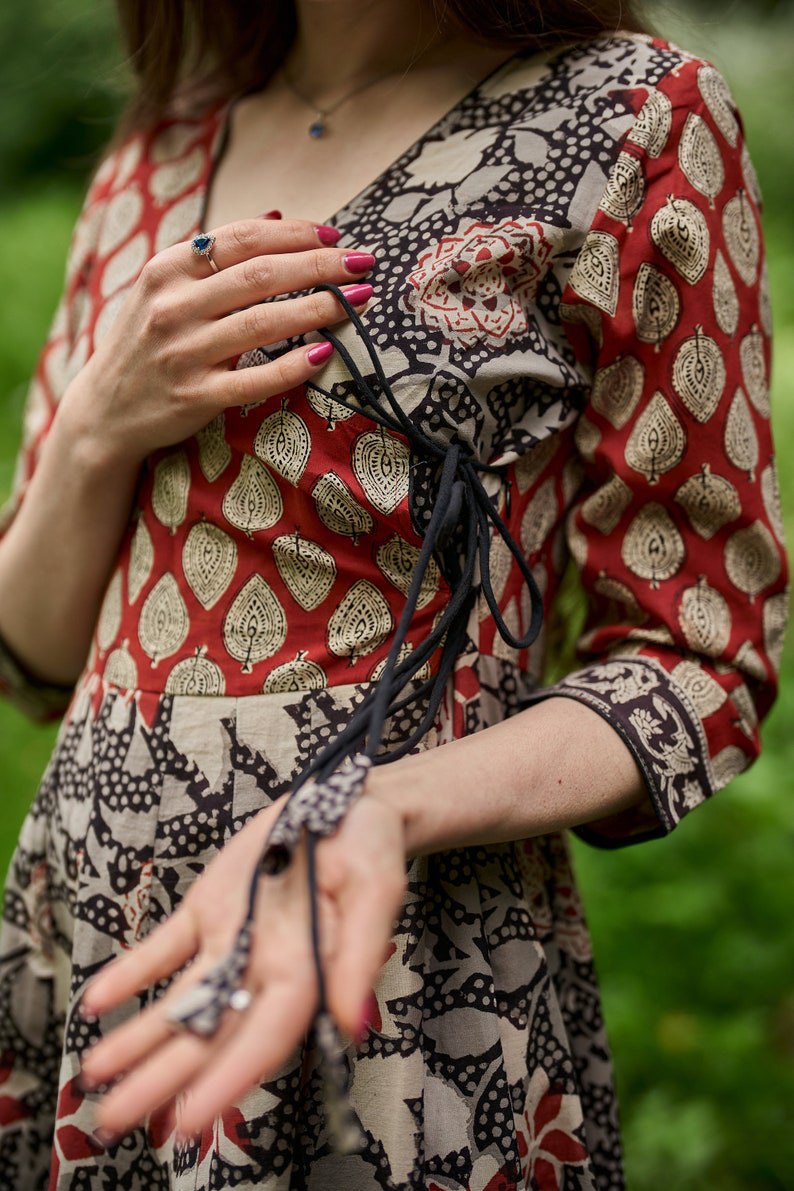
(458,535)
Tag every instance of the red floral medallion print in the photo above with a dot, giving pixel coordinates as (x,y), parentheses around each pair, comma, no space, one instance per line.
(480,283)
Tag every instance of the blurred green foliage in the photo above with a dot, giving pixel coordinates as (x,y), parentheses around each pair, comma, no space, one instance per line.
(692,934)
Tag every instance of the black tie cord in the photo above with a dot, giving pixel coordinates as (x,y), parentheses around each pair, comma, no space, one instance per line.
(458,534)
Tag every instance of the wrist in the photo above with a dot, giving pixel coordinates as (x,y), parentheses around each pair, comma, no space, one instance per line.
(404,788)
(87,438)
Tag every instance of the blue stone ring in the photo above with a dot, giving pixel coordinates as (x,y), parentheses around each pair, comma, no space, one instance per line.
(202,245)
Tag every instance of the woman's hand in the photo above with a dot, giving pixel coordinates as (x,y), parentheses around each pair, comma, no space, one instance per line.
(361,873)
(162,371)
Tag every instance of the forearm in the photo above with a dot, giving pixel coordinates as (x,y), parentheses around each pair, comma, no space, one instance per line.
(554,765)
(57,555)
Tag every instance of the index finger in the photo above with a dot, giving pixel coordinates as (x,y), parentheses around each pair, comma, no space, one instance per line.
(246,238)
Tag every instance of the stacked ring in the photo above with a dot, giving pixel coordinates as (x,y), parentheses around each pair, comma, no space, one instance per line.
(202,244)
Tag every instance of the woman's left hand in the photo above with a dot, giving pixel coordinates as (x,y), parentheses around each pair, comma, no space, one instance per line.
(361,875)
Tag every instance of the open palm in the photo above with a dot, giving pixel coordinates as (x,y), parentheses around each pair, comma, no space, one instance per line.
(361,882)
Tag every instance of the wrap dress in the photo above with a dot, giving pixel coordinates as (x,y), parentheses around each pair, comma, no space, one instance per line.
(571,294)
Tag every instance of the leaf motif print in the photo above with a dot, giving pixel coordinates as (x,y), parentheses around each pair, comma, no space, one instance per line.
(381,465)
(680,232)
(253,501)
(741,440)
(596,273)
(705,692)
(325,407)
(726,300)
(283,441)
(604,509)
(656,305)
(742,237)
(209,558)
(709,501)
(307,569)
(651,129)
(141,560)
(255,626)
(657,442)
(362,621)
(164,622)
(109,619)
(617,390)
(775,618)
(719,101)
(338,508)
(198,675)
(539,517)
(170,490)
(699,375)
(625,189)
(214,452)
(756,383)
(397,560)
(120,668)
(752,559)
(700,158)
(705,619)
(405,652)
(770,494)
(301,674)
(653,548)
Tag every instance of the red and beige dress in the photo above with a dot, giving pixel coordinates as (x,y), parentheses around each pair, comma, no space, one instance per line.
(570,286)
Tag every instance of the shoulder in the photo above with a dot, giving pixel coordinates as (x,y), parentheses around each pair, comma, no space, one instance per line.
(596,90)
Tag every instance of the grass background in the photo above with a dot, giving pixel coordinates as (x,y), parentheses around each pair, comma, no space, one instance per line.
(693,934)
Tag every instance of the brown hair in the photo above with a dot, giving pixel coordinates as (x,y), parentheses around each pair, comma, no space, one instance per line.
(186,55)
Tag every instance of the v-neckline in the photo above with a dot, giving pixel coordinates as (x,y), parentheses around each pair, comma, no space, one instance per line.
(221,130)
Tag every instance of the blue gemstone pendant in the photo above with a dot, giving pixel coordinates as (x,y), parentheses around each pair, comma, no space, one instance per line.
(202,243)
(317,129)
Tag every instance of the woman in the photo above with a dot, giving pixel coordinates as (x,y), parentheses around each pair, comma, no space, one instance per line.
(539,328)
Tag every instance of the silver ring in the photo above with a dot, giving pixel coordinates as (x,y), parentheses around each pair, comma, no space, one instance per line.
(202,244)
(200,1009)
(240,1000)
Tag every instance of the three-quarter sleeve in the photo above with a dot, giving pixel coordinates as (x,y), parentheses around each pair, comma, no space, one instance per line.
(65,350)
(676,528)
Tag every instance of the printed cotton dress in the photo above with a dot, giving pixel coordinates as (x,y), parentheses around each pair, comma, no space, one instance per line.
(570,286)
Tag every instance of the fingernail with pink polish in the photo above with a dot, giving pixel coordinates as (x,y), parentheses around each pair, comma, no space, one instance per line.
(367,1014)
(319,353)
(359,262)
(328,235)
(356,294)
(271,215)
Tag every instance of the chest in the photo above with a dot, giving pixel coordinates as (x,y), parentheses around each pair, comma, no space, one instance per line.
(271,162)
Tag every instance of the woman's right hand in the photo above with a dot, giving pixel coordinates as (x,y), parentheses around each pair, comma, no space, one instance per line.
(162,372)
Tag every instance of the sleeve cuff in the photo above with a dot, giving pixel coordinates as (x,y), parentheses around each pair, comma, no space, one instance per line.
(660,726)
(39,701)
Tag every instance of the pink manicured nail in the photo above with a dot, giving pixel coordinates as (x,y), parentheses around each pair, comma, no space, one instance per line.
(319,353)
(328,235)
(359,262)
(356,294)
(271,215)
(365,1020)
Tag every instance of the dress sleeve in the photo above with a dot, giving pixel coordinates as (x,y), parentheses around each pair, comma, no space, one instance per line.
(676,528)
(65,350)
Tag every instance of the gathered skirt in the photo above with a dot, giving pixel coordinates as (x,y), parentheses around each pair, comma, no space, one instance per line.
(485,1067)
